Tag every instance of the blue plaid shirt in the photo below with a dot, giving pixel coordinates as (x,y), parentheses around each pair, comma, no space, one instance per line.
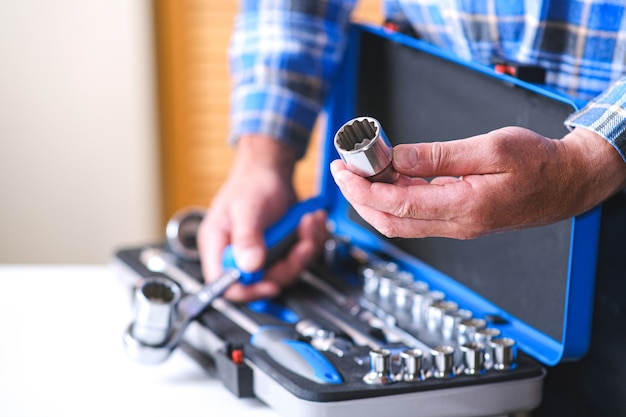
(284,54)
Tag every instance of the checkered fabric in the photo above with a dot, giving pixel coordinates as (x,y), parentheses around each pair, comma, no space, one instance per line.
(284,54)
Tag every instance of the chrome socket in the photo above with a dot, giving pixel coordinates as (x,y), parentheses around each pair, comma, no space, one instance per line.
(504,351)
(451,320)
(380,367)
(323,339)
(385,287)
(411,366)
(147,339)
(365,149)
(473,358)
(403,295)
(443,361)
(467,329)
(421,303)
(330,252)
(420,287)
(181,232)
(436,312)
(155,308)
(379,279)
(405,277)
(484,337)
(370,281)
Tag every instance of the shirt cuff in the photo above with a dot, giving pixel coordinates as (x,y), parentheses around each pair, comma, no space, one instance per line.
(273,111)
(606,116)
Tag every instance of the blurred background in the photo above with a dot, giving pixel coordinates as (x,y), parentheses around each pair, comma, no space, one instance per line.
(113,115)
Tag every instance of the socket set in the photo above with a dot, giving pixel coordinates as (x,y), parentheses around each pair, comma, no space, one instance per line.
(381,338)
(377,326)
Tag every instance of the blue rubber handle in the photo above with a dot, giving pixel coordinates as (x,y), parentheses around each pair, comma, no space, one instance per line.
(299,357)
(274,309)
(279,238)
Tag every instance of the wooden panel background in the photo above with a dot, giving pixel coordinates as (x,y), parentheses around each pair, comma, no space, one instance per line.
(192,38)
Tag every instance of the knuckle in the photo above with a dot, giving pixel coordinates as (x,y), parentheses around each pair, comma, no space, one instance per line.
(438,156)
(478,220)
(471,232)
(388,229)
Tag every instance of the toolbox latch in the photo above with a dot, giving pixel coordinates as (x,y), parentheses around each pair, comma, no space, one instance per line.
(529,73)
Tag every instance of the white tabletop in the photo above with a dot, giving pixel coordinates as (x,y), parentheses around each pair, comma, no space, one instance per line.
(61,353)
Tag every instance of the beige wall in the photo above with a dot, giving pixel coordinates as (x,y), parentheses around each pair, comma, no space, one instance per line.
(80,170)
(78,173)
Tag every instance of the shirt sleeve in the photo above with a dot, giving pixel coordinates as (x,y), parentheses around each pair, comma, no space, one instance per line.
(283,55)
(606,116)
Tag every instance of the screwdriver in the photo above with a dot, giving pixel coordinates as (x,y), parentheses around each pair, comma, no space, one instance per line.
(301,357)
(282,345)
(279,342)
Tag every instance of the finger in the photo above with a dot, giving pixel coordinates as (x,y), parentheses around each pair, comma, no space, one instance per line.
(394,227)
(426,201)
(213,237)
(244,293)
(454,158)
(248,226)
(311,237)
(404,181)
(312,234)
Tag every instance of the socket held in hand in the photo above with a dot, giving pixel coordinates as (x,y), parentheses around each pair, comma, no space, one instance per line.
(365,149)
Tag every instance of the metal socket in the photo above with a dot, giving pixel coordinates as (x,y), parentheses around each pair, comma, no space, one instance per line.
(146,339)
(182,230)
(484,336)
(411,366)
(421,303)
(385,287)
(467,329)
(403,294)
(473,358)
(365,149)
(443,361)
(370,281)
(155,307)
(380,367)
(504,353)
(451,320)
(436,312)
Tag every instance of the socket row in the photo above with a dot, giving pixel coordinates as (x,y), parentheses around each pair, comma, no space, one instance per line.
(414,365)
(456,339)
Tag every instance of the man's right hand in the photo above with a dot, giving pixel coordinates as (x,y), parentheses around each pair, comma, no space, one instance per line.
(257,192)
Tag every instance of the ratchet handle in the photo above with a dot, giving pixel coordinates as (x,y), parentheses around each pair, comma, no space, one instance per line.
(301,358)
(279,238)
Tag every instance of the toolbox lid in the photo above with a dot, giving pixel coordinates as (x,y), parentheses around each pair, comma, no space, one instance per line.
(536,285)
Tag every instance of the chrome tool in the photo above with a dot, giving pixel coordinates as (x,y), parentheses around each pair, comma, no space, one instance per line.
(411,367)
(181,231)
(504,351)
(380,367)
(473,358)
(141,345)
(443,361)
(364,147)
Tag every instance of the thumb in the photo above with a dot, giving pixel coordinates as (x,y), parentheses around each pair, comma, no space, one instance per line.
(249,258)
(453,158)
(248,244)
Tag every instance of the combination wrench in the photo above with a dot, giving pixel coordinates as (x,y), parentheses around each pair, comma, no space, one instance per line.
(162,313)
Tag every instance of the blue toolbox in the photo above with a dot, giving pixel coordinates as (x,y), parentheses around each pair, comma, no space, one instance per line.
(378,326)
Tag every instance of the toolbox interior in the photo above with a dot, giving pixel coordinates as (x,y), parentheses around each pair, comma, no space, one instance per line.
(419,94)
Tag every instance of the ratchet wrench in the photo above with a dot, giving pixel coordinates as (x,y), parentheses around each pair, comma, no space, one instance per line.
(162,313)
